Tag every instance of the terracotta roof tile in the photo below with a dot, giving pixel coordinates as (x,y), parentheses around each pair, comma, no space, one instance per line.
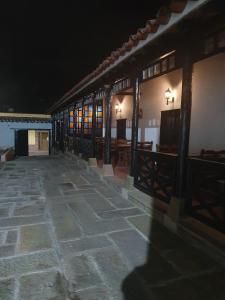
(163,15)
(177,6)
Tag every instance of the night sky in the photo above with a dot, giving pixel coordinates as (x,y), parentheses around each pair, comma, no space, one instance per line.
(47,46)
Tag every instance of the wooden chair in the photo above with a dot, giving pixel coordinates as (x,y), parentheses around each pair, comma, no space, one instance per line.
(213,155)
(167,148)
(145,145)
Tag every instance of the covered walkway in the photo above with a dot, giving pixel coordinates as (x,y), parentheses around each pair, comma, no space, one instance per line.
(64,234)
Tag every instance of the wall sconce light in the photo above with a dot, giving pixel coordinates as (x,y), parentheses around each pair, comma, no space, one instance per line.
(169,96)
(118,108)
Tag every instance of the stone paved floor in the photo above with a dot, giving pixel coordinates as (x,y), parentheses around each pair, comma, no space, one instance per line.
(65,235)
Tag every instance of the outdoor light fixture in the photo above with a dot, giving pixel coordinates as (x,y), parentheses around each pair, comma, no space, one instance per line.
(169,96)
(118,108)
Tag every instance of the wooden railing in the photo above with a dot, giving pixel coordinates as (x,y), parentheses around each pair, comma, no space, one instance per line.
(205,192)
(155,173)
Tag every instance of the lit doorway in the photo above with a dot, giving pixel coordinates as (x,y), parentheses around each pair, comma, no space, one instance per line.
(38,142)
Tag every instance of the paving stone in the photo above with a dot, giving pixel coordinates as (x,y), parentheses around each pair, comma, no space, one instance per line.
(83,212)
(34,237)
(112,214)
(112,267)
(4,200)
(27,263)
(17,221)
(120,202)
(176,290)
(7,289)
(105,226)
(157,269)
(81,273)
(42,286)
(87,243)
(162,238)
(4,212)
(96,293)
(11,237)
(65,225)
(29,209)
(188,259)
(98,203)
(7,250)
(142,223)
(66,186)
(2,236)
(67,229)
(212,285)
(133,246)
(106,191)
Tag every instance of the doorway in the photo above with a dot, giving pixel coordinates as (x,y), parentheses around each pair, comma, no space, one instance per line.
(21,142)
(38,142)
(121,129)
(170,126)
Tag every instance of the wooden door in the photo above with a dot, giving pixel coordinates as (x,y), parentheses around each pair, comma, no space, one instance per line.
(21,142)
(170,126)
(121,129)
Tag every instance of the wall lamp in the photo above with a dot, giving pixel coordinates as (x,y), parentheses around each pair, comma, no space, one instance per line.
(169,96)
(118,108)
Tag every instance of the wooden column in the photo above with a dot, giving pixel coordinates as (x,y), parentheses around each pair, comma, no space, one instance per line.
(94,127)
(135,121)
(108,118)
(185,119)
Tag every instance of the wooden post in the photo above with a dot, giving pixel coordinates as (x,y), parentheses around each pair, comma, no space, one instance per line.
(94,126)
(185,120)
(135,121)
(108,118)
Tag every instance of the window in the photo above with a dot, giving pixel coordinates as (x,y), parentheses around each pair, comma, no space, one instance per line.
(160,67)
(88,114)
(71,121)
(78,120)
(99,118)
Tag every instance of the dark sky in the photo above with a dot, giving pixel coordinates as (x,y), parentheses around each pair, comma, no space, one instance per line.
(47,46)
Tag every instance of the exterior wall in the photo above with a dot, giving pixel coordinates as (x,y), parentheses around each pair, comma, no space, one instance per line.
(7,131)
(153,102)
(208,105)
(126,104)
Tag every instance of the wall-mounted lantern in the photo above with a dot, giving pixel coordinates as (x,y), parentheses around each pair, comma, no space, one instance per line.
(169,96)
(118,108)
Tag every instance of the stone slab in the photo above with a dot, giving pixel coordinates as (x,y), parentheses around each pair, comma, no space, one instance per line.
(27,263)
(142,223)
(11,237)
(132,245)
(42,286)
(113,268)
(7,250)
(81,273)
(87,243)
(95,293)
(7,288)
(105,226)
(113,214)
(33,238)
(120,202)
(17,221)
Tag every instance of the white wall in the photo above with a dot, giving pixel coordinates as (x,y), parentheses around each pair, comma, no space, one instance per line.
(208,105)
(7,131)
(153,102)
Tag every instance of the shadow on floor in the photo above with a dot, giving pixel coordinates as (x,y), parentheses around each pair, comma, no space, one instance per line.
(174,270)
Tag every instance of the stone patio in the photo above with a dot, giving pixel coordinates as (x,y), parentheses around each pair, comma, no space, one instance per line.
(64,234)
